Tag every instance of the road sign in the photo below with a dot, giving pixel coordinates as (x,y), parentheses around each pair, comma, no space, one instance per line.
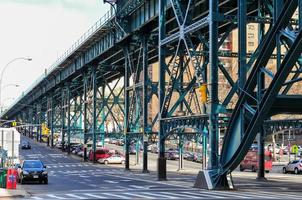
(45,129)
(14,123)
(295,149)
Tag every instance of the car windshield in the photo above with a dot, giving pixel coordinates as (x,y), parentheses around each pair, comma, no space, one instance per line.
(32,164)
(24,143)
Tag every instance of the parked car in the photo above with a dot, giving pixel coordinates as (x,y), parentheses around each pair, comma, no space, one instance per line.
(132,149)
(113,159)
(154,149)
(99,153)
(120,142)
(189,156)
(32,170)
(197,157)
(294,166)
(25,145)
(251,161)
(172,154)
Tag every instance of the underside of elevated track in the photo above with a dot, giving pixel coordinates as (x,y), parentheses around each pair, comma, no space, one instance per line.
(137,73)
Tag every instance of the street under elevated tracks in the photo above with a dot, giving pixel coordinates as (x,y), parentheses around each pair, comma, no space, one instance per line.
(70,178)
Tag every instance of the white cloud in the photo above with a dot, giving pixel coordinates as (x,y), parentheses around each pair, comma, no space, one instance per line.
(43,30)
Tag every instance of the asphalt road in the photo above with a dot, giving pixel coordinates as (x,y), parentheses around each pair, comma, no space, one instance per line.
(69,178)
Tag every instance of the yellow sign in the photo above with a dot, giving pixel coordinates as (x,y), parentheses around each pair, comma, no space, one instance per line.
(203,93)
(45,129)
(14,123)
(295,149)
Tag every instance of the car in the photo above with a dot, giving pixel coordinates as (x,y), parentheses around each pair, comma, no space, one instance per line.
(294,166)
(172,154)
(32,170)
(99,153)
(132,149)
(154,149)
(25,145)
(113,159)
(197,157)
(189,156)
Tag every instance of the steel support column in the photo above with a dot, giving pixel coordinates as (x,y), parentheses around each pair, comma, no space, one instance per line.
(52,122)
(162,168)
(63,119)
(94,115)
(145,103)
(85,115)
(261,88)
(213,85)
(127,103)
(68,118)
(242,53)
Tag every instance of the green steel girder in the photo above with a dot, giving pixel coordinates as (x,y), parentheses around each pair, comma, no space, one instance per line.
(231,157)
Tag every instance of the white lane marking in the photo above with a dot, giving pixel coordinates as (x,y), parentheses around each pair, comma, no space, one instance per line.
(208,195)
(138,195)
(108,181)
(54,196)
(138,187)
(278,195)
(242,195)
(93,185)
(181,195)
(115,195)
(75,196)
(94,196)
(157,195)
(37,198)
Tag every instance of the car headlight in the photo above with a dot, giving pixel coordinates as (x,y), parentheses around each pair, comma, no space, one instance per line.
(45,172)
(25,172)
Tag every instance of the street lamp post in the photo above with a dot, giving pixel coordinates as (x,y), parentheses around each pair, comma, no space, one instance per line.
(5,67)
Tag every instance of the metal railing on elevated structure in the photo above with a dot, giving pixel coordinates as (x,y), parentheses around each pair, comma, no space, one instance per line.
(86,36)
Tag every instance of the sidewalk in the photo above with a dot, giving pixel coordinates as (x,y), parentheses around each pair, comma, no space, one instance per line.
(19,192)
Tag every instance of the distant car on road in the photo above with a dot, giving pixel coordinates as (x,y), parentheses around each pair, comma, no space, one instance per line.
(25,145)
(172,154)
(113,159)
(32,170)
(293,166)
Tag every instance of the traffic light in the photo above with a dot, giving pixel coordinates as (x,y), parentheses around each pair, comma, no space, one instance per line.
(203,93)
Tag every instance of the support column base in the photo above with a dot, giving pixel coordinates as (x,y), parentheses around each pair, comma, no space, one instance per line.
(261,179)
(162,169)
(181,170)
(204,181)
(145,171)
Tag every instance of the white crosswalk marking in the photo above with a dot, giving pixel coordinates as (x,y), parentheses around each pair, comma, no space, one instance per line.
(209,195)
(157,195)
(75,196)
(115,195)
(54,196)
(37,198)
(138,195)
(182,195)
(95,196)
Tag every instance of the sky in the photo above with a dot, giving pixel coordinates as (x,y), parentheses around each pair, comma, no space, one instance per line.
(42,30)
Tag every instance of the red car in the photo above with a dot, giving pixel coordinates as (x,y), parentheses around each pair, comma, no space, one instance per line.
(99,154)
(251,161)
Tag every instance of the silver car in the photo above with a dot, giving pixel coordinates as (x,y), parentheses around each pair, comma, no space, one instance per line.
(293,166)
(113,159)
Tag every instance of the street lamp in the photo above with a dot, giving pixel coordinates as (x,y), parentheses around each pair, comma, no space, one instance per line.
(6,99)
(11,84)
(6,66)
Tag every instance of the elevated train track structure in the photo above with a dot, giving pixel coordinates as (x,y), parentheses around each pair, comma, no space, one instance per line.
(137,71)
